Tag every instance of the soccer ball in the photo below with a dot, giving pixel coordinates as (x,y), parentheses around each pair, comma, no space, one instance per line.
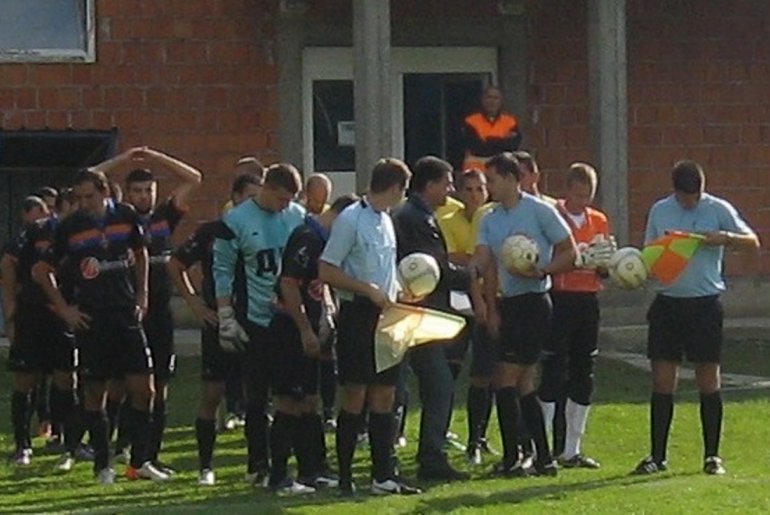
(519,253)
(419,274)
(627,269)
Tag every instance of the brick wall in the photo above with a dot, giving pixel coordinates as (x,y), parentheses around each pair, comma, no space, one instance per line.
(698,78)
(195,78)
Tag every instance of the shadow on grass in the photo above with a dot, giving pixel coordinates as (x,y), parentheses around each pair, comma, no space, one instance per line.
(520,495)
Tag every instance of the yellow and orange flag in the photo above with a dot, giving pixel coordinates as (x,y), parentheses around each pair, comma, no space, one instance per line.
(667,257)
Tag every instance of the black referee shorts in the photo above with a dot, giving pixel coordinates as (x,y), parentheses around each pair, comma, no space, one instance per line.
(525,327)
(689,327)
(356,324)
(298,374)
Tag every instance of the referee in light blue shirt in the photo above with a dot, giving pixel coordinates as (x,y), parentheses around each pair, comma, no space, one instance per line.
(685,319)
(359,261)
(523,317)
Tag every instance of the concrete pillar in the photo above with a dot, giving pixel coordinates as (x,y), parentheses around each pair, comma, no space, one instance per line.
(609,108)
(372,85)
(289,43)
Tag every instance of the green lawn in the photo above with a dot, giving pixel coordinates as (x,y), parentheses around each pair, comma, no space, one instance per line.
(617,436)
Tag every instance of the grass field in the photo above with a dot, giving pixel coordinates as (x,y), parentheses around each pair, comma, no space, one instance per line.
(617,436)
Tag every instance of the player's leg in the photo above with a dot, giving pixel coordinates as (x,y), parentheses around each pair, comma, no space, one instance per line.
(159,329)
(256,384)
(95,419)
(328,389)
(479,397)
(580,384)
(665,348)
(349,422)
(117,404)
(21,407)
(705,348)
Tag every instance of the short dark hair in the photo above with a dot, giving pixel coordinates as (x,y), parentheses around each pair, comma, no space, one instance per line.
(47,191)
(428,169)
(343,201)
(32,202)
(388,172)
(66,195)
(526,160)
(505,163)
(469,174)
(245,180)
(139,175)
(688,177)
(283,175)
(252,164)
(95,177)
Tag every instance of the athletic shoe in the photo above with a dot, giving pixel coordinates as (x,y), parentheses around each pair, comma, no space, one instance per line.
(401,442)
(289,487)
(159,465)
(84,452)
(321,480)
(547,469)
(146,471)
(713,466)
(330,425)
(578,461)
(444,472)
(515,470)
(66,463)
(44,429)
(486,449)
(106,476)
(473,455)
(54,444)
(393,486)
(452,442)
(347,488)
(258,478)
(649,466)
(207,478)
(233,421)
(23,457)
(123,456)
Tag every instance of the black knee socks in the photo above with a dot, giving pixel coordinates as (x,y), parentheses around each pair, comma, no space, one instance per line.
(507,415)
(348,425)
(711,422)
(661,413)
(21,407)
(206,436)
(533,417)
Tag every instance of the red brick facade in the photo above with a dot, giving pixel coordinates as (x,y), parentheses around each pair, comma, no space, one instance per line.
(198,78)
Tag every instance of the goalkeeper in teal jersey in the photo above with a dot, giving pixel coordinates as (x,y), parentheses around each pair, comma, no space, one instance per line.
(257,233)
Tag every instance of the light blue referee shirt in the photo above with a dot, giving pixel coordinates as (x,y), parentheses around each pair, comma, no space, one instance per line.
(258,238)
(703,275)
(534,218)
(363,244)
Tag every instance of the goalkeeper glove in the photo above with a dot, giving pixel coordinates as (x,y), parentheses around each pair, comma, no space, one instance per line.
(231,335)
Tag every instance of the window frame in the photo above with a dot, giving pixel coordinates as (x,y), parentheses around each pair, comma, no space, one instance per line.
(59,55)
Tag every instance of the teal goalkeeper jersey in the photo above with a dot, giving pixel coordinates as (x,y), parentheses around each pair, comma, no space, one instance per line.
(258,237)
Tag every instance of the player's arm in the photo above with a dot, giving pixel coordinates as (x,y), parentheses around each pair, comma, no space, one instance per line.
(181,280)
(735,232)
(116,165)
(477,268)
(564,254)
(141,278)
(8,273)
(225,258)
(44,275)
(188,177)
(292,302)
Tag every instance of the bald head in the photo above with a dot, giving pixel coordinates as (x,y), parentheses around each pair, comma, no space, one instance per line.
(318,189)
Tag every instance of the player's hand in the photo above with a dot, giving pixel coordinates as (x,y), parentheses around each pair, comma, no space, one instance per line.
(480,311)
(231,335)
(310,343)
(597,253)
(378,297)
(75,319)
(717,238)
(203,313)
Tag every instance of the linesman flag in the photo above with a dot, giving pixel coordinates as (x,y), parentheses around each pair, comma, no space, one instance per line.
(667,257)
(402,326)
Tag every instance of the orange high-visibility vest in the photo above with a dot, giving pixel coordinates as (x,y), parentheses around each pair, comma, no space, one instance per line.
(582,280)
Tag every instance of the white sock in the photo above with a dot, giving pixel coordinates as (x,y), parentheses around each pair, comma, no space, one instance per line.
(549,411)
(576,415)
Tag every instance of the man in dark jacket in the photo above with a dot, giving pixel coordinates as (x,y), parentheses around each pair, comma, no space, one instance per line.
(417,230)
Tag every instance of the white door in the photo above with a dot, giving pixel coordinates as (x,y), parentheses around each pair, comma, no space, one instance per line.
(433,87)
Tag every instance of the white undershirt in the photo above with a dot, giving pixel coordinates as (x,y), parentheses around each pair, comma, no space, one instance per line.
(578,220)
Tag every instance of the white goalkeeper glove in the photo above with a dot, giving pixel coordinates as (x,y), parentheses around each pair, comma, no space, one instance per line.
(597,253)
(231,335)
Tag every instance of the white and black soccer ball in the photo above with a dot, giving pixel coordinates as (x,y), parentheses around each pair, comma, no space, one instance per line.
(519,253)
(627,269)
(419,274)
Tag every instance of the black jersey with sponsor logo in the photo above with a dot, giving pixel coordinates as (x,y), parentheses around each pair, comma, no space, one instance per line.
(27,249)
(300,262)
(159,225)
(96,255)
